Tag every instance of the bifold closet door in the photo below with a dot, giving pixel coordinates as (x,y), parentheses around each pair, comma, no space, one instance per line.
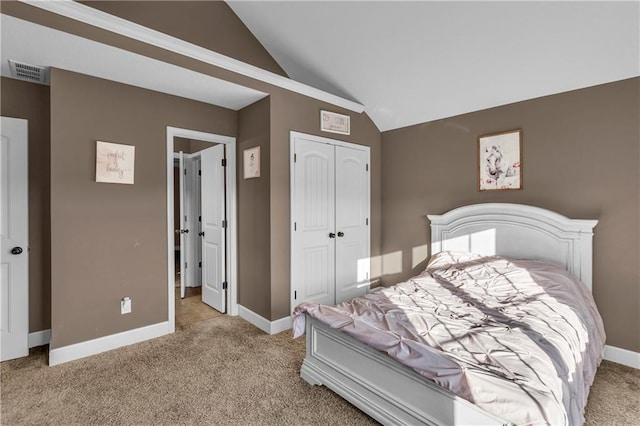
(313,263)
(352,228)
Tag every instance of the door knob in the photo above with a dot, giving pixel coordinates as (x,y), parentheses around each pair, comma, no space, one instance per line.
(332,235)
(16,250)
(201,233)
(340,234)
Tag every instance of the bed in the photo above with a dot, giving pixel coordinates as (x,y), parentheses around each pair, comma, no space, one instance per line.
(422,388)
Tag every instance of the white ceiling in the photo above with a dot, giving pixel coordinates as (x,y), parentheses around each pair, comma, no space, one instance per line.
(413,62)
(34,44)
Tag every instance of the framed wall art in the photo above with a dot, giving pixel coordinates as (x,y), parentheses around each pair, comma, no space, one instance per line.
(115,162)
(251,162)
(500,161)
(335,123)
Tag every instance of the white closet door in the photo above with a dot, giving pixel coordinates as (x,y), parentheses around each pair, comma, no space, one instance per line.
(313,261)
(213,216)
(352,212)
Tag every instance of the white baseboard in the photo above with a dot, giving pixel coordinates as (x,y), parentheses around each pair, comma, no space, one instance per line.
(269,327)
(280,325)
(39,338)
(106,343)
(622,356)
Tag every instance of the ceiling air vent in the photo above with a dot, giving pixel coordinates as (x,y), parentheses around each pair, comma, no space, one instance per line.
(33,73)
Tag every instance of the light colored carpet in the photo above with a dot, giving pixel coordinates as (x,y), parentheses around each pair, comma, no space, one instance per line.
(192,309)
(220,371)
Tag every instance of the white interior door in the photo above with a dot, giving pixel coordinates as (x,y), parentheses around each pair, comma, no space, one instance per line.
(313,260)
(212,187)
(352,223)
(192,244)
(14,261)
(183,226)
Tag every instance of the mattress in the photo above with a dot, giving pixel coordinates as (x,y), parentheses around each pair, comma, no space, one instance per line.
(520,339)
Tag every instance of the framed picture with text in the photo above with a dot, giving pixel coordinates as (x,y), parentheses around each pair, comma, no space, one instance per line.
(335,123)
(114,162)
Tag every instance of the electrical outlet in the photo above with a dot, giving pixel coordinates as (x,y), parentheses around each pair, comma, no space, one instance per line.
(125,305)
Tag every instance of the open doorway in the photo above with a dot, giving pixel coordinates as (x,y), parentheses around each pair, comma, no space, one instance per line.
(189,305)
(201,236)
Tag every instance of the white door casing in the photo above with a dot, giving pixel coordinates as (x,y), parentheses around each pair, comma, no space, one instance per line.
(313,262)
(212,186)
(352,215)
(231,212)
(330,205)
(14,268)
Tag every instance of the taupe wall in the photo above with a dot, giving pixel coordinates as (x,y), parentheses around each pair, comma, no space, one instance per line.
(254,237)
(291,111)
(109,240)
(31,101)
(580,158)
(206,23)
(430,154)
(264,276)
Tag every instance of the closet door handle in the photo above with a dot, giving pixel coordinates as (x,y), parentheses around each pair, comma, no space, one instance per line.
(332,235)
(340,234)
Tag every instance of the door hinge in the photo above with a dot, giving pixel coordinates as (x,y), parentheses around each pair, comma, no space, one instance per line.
(186,265)
(199,172)
(295,157)
(224,162)
(185,172)
(224,285)
(295,226)
(295,295)
(224,223)
(367,221)
(199,264)
(199,218)
(367,168)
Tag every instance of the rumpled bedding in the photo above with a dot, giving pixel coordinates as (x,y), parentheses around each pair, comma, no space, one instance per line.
(520,339)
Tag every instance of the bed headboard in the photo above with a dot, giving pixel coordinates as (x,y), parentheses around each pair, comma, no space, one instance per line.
(517,231)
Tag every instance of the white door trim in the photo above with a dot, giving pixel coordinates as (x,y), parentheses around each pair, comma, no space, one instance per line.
(231,212)
(293,135)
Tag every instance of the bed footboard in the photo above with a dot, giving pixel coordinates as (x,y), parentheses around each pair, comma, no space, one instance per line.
(381,387)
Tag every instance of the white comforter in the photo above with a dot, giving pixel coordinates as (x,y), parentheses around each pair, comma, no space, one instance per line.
(520,339)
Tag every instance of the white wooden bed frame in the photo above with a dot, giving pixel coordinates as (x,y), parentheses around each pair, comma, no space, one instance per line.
(394,394)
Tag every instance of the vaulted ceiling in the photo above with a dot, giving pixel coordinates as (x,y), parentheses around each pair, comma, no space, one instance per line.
(413,62)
